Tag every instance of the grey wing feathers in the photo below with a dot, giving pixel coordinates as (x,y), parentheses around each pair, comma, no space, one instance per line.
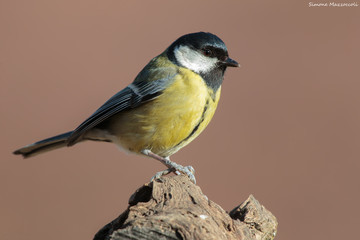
(130,97)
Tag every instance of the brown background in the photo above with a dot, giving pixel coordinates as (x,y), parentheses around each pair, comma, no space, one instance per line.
(287,128)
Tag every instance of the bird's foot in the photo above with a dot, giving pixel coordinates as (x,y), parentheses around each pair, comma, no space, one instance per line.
(188,170)
(172,167)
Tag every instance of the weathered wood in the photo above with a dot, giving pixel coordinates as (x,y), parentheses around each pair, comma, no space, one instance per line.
(175,208)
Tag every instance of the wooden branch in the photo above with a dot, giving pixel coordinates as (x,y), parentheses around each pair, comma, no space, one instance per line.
(175,208)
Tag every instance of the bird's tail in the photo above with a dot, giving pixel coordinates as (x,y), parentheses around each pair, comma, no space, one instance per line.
(44,145)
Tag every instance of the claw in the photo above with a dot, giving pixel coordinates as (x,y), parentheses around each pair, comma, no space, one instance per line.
(160,174)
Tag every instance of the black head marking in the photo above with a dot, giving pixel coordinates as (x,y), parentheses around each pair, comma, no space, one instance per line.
(200,41)
(210,45)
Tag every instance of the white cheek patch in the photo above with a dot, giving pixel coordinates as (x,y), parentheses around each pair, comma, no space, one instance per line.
(194,60)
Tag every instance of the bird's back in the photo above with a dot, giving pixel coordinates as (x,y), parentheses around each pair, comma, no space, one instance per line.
(170,121)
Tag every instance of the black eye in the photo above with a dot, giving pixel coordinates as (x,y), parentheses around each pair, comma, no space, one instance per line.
(207,52)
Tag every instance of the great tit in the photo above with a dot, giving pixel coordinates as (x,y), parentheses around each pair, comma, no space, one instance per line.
(168,105)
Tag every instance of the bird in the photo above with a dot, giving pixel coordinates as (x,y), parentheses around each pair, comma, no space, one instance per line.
(169,103)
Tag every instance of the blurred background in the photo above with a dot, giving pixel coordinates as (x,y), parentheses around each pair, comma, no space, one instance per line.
(287,128)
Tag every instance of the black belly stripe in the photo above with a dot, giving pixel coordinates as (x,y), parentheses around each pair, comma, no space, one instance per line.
(197,125)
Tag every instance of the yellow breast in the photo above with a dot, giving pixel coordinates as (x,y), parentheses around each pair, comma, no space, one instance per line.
(171,121)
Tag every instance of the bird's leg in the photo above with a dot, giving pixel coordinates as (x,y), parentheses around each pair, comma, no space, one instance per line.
(172,166)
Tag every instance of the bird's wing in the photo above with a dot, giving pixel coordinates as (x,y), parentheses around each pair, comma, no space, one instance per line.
(132,96)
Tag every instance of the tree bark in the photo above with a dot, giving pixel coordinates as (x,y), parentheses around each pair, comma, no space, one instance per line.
(175,208)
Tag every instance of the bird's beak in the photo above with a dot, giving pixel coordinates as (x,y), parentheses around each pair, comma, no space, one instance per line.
(231,63)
